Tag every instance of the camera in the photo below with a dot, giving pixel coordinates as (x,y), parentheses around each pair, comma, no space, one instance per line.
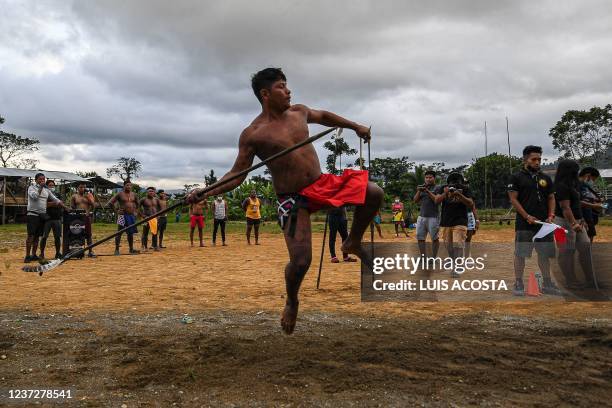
(455,188)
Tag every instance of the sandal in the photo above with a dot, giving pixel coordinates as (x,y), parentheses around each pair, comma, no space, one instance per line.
(335,260)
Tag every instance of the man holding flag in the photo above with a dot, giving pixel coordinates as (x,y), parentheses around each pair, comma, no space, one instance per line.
(532,195)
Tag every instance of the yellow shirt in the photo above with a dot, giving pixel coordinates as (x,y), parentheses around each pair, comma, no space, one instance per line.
(253,209)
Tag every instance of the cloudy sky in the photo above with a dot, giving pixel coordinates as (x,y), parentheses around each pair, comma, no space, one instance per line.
(168,82)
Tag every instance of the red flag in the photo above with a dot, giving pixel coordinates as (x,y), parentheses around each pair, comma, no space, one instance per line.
(560,236)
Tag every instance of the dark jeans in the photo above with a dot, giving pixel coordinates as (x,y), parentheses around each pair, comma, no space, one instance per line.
(56,227)
(145,236)
(336,224)
(161,227)
(216,225)
(130,238)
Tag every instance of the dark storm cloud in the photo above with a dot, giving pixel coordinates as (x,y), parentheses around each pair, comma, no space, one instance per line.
(113,78)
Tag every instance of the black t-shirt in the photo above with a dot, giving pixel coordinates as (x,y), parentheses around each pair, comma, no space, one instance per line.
(454,212)
(533,190)
(565,192)
(55,213)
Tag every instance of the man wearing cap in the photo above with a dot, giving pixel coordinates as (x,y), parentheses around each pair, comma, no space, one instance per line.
(456,202)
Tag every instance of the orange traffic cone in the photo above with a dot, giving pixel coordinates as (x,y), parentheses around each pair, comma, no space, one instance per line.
(532,286)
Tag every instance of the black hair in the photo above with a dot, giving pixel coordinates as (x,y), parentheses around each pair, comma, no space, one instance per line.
(127,181)
(150,188)
(49,182)
(160,191)
(264,80)
(589,170)
(455,178)
(567,173)
(430,173)
(38,175)
(81,183)
(531,149)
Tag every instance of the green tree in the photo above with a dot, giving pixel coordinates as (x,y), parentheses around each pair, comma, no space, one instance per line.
(337,147)
(86,174)
(388,169)
(261,179)
(584,136)
(188,187)
(13,150)
(498,175)
(210,179)
(127,168)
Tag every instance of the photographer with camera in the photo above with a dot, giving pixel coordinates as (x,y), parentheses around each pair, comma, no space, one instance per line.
(456,203)
(84,200)
(38,196)
(428,220)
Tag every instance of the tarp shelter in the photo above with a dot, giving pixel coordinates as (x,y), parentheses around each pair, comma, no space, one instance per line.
(15,184)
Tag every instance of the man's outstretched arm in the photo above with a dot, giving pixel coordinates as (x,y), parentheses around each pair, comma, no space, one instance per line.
(244,160)
(330,119)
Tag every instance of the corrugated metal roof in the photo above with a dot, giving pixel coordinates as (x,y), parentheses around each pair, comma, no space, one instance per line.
(62,175)
(607,173)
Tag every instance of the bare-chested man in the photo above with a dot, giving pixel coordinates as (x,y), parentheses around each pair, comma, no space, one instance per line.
(196,218)
(297,179)
(84,200)
(149,206)
(162,220)
(126,214)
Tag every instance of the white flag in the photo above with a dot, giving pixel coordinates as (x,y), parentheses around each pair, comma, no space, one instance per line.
(546,229)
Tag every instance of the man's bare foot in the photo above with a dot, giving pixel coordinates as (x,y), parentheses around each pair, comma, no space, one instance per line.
(289,317)
(256,243)
(348,247)
(201,245)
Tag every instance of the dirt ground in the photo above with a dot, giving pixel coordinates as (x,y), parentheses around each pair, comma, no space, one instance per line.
(110,328)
